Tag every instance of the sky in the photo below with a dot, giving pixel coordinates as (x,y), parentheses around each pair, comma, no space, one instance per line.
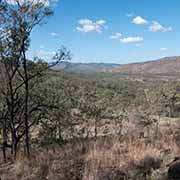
(110,31)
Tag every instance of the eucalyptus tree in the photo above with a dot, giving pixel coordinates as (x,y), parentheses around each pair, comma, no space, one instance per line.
(170,94)
(91,105)
(17,20)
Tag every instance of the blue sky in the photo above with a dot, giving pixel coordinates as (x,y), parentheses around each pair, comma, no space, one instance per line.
(114,31)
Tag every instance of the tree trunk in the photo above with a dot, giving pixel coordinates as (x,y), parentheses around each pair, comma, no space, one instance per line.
(95,128)
(4,141)
(59,133)
(14,144)
(11,109)
(26,82)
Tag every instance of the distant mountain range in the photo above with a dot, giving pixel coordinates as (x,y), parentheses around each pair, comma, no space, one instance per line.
(86,67)
(167,65)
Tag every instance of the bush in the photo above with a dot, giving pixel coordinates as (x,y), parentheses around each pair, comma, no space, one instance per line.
(146,165)
(112,174)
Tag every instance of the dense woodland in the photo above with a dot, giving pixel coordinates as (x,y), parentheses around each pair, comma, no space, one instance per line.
(62,114)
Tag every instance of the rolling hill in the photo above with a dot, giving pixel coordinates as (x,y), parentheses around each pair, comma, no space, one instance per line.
(167,65)
(86,67)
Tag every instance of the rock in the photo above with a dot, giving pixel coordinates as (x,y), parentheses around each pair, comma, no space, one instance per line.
(174,169)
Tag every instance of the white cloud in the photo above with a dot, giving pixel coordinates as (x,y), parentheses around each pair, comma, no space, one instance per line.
(163,49)
(139,21)
(132,40)
(157,27)
(13,2)
(87,25)
(101,22)
(85,21)
(45,2)
(116,36)
(53,34)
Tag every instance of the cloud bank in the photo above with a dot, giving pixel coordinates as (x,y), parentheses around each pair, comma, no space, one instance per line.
(116,36)
(132,40)
(45,2)
(157,27)
(87,25)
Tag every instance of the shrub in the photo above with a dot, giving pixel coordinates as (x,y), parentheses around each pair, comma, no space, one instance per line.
(112,174)
(146,165)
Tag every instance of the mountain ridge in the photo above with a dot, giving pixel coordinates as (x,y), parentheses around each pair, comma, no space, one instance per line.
(85,67)
(164,65)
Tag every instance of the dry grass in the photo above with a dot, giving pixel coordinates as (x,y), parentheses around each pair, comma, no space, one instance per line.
(108,158)
(130,156)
